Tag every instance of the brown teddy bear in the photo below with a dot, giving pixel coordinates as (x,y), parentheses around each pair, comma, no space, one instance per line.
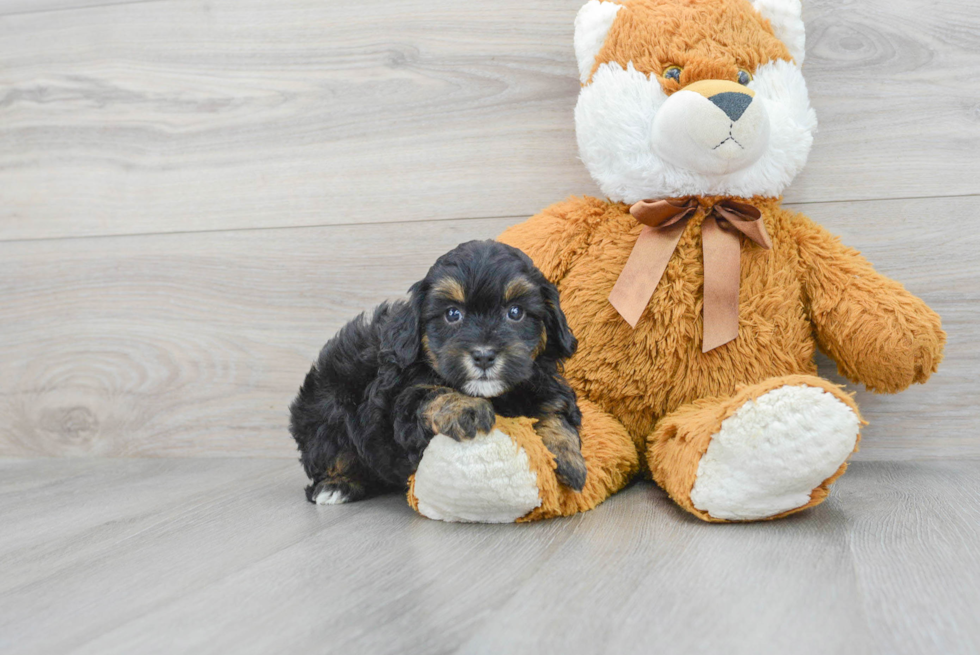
(697,299)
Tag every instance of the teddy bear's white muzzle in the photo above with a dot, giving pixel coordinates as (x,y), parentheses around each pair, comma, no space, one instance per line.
(714,135)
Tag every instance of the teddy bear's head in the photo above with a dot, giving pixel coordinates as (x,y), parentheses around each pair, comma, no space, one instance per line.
(692,97)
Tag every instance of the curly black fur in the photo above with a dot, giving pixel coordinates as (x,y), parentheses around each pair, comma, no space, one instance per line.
(482,333)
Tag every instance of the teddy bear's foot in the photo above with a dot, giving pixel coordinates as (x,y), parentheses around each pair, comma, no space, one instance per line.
(487,479)
(509,475)
(773,452)
(770,450)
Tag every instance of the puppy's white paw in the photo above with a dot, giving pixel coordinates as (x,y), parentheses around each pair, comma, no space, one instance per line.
(330,497)
(773,452)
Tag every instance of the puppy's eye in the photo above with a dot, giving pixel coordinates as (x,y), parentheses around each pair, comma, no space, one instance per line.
(673,73)
(453,315)
(515,313)
(744,77)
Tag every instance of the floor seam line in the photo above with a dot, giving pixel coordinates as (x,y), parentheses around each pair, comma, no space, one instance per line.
(256,229)
(800,203)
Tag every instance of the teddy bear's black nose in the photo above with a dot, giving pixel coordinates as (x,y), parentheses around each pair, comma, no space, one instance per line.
(732,103)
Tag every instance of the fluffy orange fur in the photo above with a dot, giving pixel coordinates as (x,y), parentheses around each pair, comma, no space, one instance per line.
(655,381)
(708,39)
(651,400)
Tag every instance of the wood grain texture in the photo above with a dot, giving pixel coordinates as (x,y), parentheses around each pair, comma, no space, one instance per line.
(221,556)
(11,7)
(178,115)
(195,344)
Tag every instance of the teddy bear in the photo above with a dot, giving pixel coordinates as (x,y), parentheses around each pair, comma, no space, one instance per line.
(698,300)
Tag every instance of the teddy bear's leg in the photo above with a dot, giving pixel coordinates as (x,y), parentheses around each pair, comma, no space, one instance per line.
(769,450)
(509,475)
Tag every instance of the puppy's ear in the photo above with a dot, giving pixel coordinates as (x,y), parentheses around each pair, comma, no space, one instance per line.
(402,334)
(561,341)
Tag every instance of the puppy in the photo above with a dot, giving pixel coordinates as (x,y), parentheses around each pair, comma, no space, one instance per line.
(481,334)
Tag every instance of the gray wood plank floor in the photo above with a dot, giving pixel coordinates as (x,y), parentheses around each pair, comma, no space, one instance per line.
(181,115)
(222,556)
(196,195)
(192,345)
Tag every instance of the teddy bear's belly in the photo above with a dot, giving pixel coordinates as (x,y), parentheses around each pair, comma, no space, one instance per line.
(640,375)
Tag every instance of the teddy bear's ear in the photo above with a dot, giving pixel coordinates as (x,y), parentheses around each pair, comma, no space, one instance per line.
(591,26)
(786,18)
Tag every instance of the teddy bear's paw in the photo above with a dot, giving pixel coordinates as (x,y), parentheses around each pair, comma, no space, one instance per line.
(770,455)
(487,479)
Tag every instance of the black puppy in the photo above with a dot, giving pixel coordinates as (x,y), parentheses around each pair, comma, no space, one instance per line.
(481,334)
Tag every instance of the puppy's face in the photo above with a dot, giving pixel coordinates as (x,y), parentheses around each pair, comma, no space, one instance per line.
(487,316)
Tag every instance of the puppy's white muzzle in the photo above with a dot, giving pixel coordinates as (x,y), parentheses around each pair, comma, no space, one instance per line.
(483,382)
(712,127)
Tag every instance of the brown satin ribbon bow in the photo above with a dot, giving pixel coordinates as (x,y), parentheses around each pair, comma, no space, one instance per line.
(664,222)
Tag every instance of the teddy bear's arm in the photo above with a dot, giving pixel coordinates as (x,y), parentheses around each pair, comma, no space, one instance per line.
(878,333)
(554,238)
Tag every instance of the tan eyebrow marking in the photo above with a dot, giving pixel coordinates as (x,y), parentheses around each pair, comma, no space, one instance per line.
(451,289)
(516,287)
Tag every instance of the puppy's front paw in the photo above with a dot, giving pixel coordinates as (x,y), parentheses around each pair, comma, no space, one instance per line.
(571,469)
(461,417)
(561,438)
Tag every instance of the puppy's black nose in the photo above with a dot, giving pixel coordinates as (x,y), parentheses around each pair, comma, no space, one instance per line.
(483,357)
(733,104)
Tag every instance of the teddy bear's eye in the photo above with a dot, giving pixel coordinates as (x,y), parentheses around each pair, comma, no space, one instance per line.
(744,77)
(673,73)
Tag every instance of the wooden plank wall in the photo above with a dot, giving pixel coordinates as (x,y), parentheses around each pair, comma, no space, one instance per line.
(195,194)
